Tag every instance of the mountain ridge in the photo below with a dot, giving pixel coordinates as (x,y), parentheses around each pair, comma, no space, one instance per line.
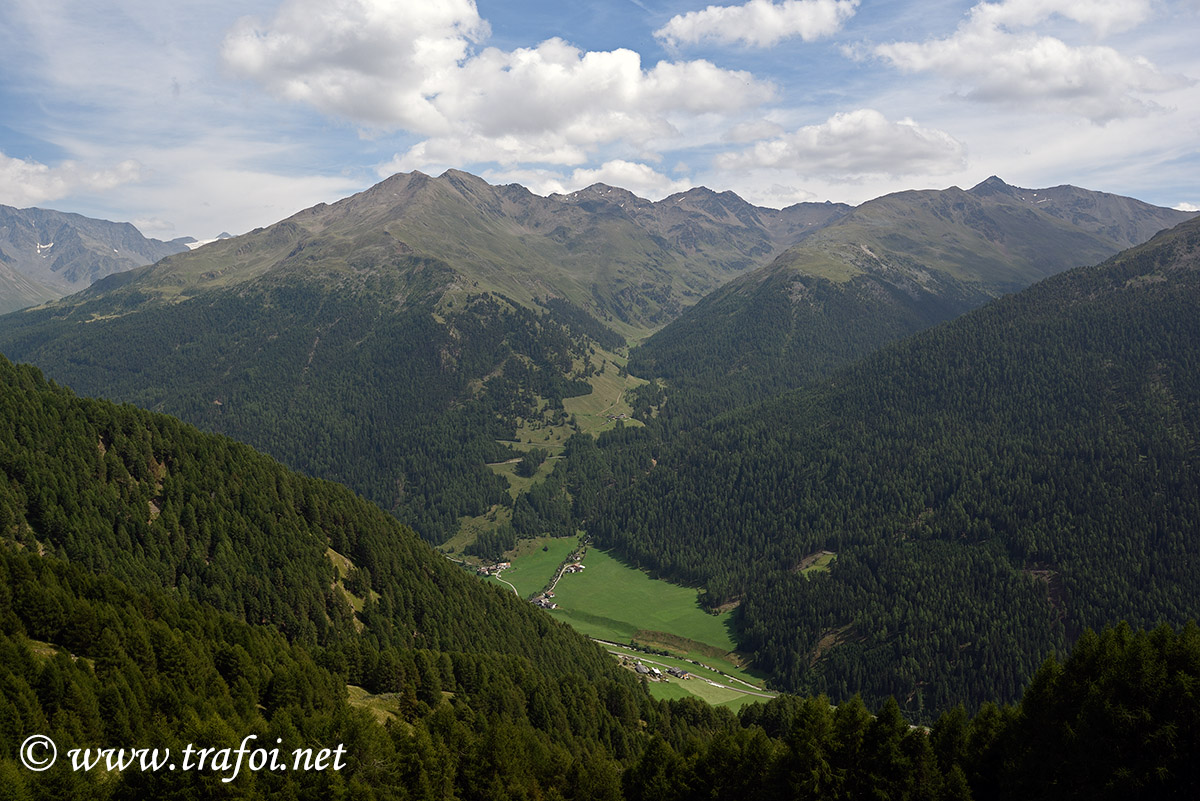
(891,266)
(59,253)
(633,268)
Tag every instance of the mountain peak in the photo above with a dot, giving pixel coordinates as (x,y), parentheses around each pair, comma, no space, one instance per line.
(991,186)
(606,194)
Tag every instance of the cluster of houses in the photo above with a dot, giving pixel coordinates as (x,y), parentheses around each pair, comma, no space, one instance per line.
(574,567)
(544,601)
(493,570)
(653,673)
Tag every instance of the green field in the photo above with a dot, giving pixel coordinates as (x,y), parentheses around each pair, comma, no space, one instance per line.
(613,601)
(717,696)
(819,564)
(518,484)
(532,568)
(591,412)
(697,685)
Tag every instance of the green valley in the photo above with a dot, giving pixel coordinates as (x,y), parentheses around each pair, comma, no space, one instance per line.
(622,606)
(534,563)
(612,601)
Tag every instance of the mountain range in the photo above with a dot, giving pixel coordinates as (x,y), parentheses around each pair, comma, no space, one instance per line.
(46,254)
(630,262)
(892,266)
(440,315)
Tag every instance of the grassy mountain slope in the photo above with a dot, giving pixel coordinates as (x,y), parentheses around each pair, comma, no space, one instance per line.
(990,487)
(893,266)
(18,291)
(626,260)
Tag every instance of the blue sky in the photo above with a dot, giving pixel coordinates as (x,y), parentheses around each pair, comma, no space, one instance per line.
(190,117)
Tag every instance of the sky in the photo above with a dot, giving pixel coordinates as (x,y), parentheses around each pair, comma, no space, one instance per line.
(193,117)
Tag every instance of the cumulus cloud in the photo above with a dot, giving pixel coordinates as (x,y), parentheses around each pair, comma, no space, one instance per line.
(759,23)
(415,66)
(1187,207)
(853,144)
(993,59)
(376,61)
(29,183)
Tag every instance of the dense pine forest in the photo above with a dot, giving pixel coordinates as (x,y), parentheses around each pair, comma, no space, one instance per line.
(130,616)
(761,337)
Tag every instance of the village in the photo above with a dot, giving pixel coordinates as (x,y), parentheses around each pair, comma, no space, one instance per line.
(545,598)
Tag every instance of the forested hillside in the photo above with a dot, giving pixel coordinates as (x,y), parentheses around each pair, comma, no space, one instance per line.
(155,503)
(1115,720)
(990,487)
(161,587)
(389,341)
(240,597)
(347,383)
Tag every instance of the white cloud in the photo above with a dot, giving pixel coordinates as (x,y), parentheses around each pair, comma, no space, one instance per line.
(853,144)
(640,179)
(376,61)
(993,63)
(587,97)
(1187,207)
(759,23)
(30,183)
(400,65)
